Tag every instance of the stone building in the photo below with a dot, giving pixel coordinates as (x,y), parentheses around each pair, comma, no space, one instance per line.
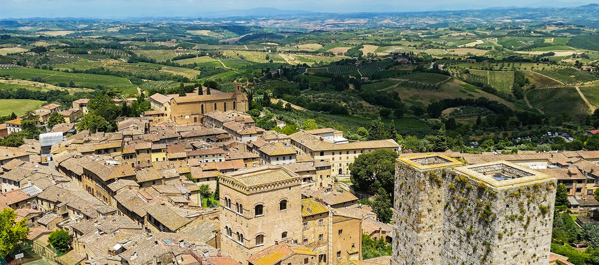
(262,208)
(191,109)
(81,104)
(277,154)
(257,209)
(492,213)
(340,155)
(13,126)
(332,236)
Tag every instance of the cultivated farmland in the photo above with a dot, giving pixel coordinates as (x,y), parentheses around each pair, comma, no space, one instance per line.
(554,101)
(80,80)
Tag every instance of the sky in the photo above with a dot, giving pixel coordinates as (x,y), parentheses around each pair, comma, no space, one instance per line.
(199,8)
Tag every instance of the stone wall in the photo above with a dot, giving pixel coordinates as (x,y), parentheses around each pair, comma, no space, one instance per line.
(446,217)
(418,215)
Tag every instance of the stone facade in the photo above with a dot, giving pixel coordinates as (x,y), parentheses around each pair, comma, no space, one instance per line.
(191,109)
(256,205)
(496,213)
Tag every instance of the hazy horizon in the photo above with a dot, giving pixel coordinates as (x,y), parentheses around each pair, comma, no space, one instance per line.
(203,8)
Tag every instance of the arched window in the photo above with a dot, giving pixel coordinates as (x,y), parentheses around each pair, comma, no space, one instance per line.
(202,108)
(259,210)
(225,106)
(240,238)
(227,203)
(283,205)
(240,209)
(284,235)
(215,109)
(234,105)
(259,240)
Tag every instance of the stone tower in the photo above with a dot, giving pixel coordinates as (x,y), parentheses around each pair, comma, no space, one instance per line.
(418,216)
(495,213)
(241,99)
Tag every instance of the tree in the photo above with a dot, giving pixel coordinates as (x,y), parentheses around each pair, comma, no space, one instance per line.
(71,83)
(11,232)
(210,84)
(377,130)
(596,193)
(392,131)
(375,248)
(288,106)
(205,191)
(385,112)
(93,123)
(60,240)
(382,206)
(363,132)
(373,170)
(55,118)
(310,124)
(590,233)
(265,100)
(13,140)
(561,196)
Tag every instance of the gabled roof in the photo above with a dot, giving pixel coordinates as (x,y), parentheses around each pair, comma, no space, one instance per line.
(14,196)
(278,253)
(106,172)
(166,216)
(277,149)
(160,98)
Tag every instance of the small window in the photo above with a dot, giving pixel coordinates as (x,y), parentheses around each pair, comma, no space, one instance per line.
(305,240)
(259,240)
(284,235)
(283,205)
(340,232)
(320,221)
(306,260)
(259,210)
(338,254)
(305,225)
(320,237)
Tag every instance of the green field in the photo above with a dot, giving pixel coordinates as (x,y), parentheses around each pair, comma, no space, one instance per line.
(158,55)
(198,60)
(554,101)
(189,73)
(541,81)
(18,106)
(571,75)
(429,78)
(379,85)
(592,94)
(552,48)
(80,80)
(502,80)
(80,65)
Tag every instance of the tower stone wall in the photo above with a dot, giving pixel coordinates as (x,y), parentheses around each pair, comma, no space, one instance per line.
(497,213)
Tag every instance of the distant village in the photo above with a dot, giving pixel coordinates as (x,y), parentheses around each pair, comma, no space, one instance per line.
(138,195)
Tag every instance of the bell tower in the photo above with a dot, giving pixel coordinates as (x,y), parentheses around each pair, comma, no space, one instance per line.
(241,99)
